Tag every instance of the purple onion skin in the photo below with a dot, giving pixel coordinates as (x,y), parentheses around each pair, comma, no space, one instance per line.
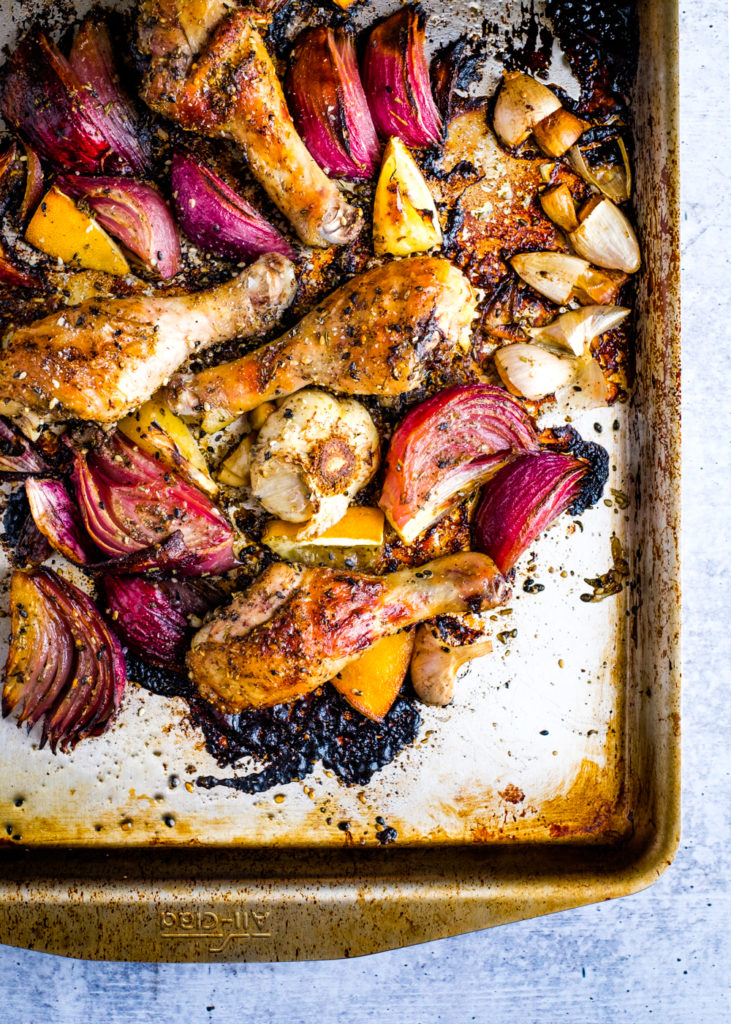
(117,485)
(133,212)
(42,97)
(328,105)
(33,184)
(65,665)
(396,81)
(92,60)
(469,424)
(217,219)
(521,501)
(152,617)
(32,546)
(58,519)
(18,457)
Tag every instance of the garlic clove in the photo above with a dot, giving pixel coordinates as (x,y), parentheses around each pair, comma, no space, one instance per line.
(612,180)
(532,372)
(574,331)
(558,132)
(259,415)
(521,104)
(605,237)
(558,204)
(587,390)
(600,286)
(553,274)
(234,471)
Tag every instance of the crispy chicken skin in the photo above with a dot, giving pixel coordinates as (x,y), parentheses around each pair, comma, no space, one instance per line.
(296,628)
(101,359)
(373,336)
(210,71)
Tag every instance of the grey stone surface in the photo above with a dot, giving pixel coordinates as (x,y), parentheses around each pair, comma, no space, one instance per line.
(662,955)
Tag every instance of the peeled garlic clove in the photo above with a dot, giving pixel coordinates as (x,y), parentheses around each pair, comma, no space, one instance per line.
(558,204)
(558,132)
(529,371)
(587,390)
(613,180)
(234,470)
(577,329)
(606,238)
(553,274)
(601,286)
(522,103)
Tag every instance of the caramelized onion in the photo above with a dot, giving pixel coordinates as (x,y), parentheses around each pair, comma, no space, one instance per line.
(42,96)
(396,80)
(152,617)
(217,219)
(522,500)
(65,665)
(10,274)
(92,60)
(445,448)
(128,502)
(33,183)
(18,457)
(328,105)
(58,519)
(134,213)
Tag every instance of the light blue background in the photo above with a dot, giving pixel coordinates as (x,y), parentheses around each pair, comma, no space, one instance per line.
(662,955)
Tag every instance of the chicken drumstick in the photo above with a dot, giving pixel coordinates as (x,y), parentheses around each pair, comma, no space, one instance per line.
(296,628)
(101,359)
(210,72)
(372,336)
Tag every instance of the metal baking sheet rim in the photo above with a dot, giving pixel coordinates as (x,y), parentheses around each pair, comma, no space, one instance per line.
(199,905)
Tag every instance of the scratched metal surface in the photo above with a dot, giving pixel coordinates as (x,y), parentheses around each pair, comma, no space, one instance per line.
(532,747)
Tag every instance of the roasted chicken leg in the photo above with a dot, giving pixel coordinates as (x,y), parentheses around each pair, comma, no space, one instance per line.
(210,72)
(372,336)
(101,359)
(296,628)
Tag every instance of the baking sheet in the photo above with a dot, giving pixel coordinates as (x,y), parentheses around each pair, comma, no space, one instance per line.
(566,737)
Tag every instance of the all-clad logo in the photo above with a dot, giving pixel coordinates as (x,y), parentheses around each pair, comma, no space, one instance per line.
(218,928)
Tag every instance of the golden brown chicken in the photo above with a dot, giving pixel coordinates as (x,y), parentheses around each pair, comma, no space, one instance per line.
(435,664)
(101,359)
(373,336)
(296,628)
(210,71)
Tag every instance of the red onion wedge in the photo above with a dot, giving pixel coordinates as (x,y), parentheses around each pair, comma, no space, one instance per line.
(217,219)
(18,457)
(12,275)
(92,60)
(396,80)
(33,183)
(42,96)
(59,520)
(31,547)
(445,448)
(329,107)
(161,558)
(522,500)
(129,502)
(134,213)
(152,617)
(65,665)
